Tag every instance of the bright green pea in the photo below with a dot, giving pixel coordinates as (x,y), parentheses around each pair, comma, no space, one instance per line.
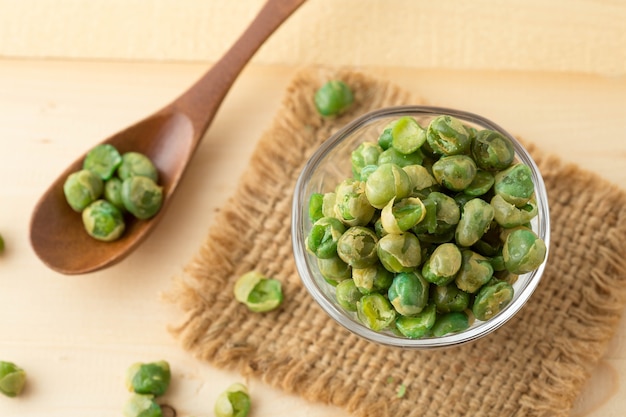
(492,299)
(149,378)
(449,298)
(333,98)
(523,251)
(418,325)
(323,237)
(103,160)
(407,135)
(82,188)
(475,220)
(137,164)
(334,270)
(375,311)
(393,156)
(139,405)
(366,171)
(357,247)
(508,215)
(446,135)
(389,181)
(492,151)
(12,379)
(375,278)
(365,154)
(142,197)
(455,172)
(408,293)
(316,201)
(259,293)
(103,221)
(400,216)
(443,264)
(348,294)
(515,184)
(475,271)
(399,252)
(386,138)
(447,323)
(113,192)
(482,183)
(442,215)
(234,402)
(351,204)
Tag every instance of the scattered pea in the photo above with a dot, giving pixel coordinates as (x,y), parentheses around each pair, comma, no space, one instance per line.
(259,293)
(139,405)
(151,378)
(234,402)
(12,379)
(333,98)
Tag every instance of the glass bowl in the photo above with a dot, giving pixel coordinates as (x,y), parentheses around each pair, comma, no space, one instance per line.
(331,163)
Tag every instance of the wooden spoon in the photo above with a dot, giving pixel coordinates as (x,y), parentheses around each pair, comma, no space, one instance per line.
(169,137)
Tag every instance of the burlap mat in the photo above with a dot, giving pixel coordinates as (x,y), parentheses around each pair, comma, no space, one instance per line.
(535,365)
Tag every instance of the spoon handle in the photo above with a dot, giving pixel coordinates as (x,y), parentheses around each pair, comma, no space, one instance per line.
(202,100)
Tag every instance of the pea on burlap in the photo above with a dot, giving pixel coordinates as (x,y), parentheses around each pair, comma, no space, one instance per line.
(535,365)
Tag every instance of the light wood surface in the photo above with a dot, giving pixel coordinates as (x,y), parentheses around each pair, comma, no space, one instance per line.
(76,335)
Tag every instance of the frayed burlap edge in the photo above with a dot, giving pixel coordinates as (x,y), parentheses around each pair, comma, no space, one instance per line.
(300,350)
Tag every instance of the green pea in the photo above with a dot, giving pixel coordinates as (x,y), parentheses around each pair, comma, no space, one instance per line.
(113,192)
(149,378)
(421,180)
(475,221)
(334,270)
(259,293)
(328,204)
(316,202)
(482,183)
(442,215)
(492,299)
(492,151)
(419,325)
(139,405)
(142,197)
(375,311)
(447,323)
(333,98)
(347,294)
(12,379)
(399,252)
(137,164)
(515,184)
(449,298)
(394,156)
(446,135)
(508,215)
(407,135)
(357,247)
(386,138)
(103,160)
(475,271)
(523,251)
(400,216)
(443,264)
(351,204)
(323,237)
(103,221)
(234,402)
(455,172)
(389,181)
(365,154)
(375,278)
(82,188)
(408,293)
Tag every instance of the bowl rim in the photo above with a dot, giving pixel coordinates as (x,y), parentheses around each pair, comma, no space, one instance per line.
(300,201)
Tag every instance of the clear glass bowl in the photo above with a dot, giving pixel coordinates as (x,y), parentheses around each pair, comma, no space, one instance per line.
(331,163)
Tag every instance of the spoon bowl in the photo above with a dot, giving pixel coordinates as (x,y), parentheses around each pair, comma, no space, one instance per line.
(169,138)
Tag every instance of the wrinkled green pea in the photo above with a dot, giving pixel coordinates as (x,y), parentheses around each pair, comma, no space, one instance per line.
(113,192)
(515,184)
(103,221)
(475,271)
(418,325)
(333,98)
(351,204)
(142,197)
(523,251)
(482,183)
(421,180)
(408,293)
(323,237)
(357,247)
(407,135)
(347,294)
(259,293)
(389,181)
(508,215)
(149,378)
(365,154)
(375,311)
(446,135)
(447,323)
(455,172)
(492,151)
(233,402)
(137,164)
(375,278)
(475,221)
(103,160)
(393,156)
(334,270)
(443,264)
(12,379)
(449,298)
(399,252)
(400,216)
(492,299)
(139,405)
(82,188)
(328,204)
(316,201)
(442,215)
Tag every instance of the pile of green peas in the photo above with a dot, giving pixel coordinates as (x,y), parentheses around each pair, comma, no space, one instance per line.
(431,230)
(110,185)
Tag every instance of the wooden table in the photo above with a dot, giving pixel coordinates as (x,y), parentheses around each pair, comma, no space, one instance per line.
(76,335)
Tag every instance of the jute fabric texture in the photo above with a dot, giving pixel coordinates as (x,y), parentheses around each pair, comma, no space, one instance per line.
(535,365)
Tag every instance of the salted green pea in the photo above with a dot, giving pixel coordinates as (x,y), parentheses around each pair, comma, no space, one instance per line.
(334,270)
(103,160)
(509,215)
(357,247)
(443,264)
(492,151)
(351,204)
(421,180)
(482,183)
(82,188)
(137,164)
(442,215)
(385,139)
(140,405)
(475,271)
(375,311)
(492,299)
(418,325)
(399,252)
(333,98)
(233,402)
(449,298)
(328,204)
(347,294)
(103,221)
(149,378)
(323,237)
(523,251)
(407,135)
(142,197)
(389,181)
(475,220)
(398,216)
(446,135)
(113,192)
(447,323)
(12,379)
(515,184)
(316,202)
(455,172)
(365,154)
(408,293)
(375,278)
(259,293)
(393,156)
